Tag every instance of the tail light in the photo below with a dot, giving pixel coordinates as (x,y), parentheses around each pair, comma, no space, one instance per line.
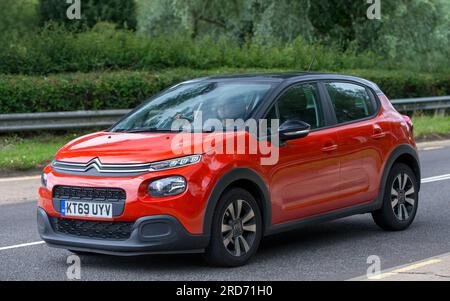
(409,123)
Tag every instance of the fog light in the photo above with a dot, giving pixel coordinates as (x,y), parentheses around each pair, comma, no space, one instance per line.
(167,187)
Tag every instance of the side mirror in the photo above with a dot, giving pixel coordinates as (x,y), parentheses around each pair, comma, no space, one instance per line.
(294,130)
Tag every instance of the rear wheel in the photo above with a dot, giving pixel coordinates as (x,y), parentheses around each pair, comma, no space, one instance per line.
(236,229)
(400,201)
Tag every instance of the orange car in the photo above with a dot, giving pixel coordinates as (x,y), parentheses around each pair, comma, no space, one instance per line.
(317,147)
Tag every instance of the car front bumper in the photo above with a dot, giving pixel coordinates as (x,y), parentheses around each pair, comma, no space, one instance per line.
(162,234)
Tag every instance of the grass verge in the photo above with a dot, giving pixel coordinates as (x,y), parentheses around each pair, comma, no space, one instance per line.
(431,127)
(20,153)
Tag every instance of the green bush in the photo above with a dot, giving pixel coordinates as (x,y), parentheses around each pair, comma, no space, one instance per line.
(404,84)
(104,48)
(126,89)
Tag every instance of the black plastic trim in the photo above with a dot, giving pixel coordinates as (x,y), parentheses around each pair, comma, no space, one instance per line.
(341,213)
(174,240)
(395,155)
(225,182)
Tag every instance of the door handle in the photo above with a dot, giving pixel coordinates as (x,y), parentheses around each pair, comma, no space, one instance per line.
(378,133)
(331,148)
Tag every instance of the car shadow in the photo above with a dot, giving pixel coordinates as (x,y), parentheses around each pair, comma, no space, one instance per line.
(296,241)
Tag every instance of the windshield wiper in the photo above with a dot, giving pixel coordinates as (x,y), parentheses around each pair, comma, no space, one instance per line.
(158,130)
(150,130)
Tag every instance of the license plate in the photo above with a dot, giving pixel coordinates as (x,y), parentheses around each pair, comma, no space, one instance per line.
(83,209)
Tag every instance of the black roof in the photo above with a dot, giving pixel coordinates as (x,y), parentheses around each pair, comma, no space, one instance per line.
(267,76)
(279,77)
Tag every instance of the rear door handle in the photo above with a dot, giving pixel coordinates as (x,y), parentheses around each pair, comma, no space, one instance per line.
(379,136)
(378,133)
(331,148)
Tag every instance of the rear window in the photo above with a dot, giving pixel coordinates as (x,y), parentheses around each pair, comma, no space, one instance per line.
(351,102)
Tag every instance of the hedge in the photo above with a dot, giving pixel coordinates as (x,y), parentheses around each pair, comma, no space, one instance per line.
(103,48)
(126,89)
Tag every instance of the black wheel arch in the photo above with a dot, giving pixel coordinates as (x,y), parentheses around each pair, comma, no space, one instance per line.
(406,154)
(244,178)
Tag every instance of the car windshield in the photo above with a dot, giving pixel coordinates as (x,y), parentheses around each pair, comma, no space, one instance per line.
(191,102)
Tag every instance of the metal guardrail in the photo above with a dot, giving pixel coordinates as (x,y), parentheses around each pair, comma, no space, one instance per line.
(87,119)
(59,120)
(422,104)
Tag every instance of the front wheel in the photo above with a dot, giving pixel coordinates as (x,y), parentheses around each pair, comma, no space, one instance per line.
(236,229)
(401,199)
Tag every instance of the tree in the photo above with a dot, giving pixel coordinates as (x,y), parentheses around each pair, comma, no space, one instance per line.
(120,12)
(282,20)
(407,29)
(418,32)
(340,22)
(17,17)
(241,19)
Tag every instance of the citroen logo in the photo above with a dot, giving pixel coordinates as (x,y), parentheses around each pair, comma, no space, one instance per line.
(95,163)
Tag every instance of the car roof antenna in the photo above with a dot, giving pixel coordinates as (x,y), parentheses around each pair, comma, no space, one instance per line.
(312,63)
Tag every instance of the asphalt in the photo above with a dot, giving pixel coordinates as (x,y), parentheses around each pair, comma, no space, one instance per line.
(332,251)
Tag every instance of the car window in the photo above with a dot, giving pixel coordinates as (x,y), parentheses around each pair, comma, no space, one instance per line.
(351,102)
(201,101)
(301,103)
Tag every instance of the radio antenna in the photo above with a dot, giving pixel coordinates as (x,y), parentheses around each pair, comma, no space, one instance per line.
(312,63)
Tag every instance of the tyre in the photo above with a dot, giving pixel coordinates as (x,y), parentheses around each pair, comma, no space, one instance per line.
(236,229)
(400,200)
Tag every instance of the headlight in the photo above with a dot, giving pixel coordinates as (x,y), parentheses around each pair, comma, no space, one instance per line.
(170,186)
(44,180)
(175,163)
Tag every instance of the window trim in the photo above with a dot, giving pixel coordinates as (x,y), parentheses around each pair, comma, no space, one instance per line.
(324,106)
(369,91)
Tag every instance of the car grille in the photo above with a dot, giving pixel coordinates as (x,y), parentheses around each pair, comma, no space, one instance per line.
(89,194)
(96,168)
(93,229)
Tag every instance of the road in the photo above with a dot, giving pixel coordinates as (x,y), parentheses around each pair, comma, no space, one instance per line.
(332,251)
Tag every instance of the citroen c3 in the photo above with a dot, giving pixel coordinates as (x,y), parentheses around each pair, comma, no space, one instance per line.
(139,188)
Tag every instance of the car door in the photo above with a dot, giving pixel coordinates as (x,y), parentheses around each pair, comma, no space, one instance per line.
(305,181)
(361,139)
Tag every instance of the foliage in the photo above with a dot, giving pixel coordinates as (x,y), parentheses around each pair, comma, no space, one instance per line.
(127,89)
(120,12)
(411,33)
(282,20)
(17,17)
(103,48)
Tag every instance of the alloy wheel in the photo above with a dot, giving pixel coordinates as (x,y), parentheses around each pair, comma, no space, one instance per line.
(403,197)
(238,228)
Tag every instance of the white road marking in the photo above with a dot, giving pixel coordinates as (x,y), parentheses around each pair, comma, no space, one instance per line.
(22,245)
(424,146)
(436,179)
(4,180)
(433,148)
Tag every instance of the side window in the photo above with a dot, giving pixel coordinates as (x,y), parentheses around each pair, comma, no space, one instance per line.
(301,103)
(351,102)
